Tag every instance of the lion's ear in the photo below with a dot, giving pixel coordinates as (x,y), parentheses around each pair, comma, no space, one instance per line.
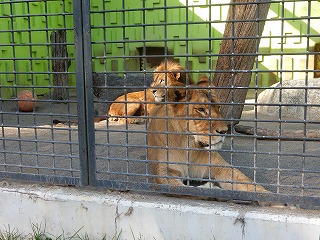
(176,75)
(203,81)
(180,93)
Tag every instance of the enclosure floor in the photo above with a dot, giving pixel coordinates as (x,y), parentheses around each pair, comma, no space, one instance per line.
(38,147)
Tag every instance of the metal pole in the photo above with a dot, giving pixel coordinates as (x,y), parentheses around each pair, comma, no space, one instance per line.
(83,56)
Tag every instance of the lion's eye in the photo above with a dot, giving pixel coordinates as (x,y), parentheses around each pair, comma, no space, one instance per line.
(200,110)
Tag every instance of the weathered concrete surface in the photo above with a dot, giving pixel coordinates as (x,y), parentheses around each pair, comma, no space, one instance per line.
(133,216)
(292,95)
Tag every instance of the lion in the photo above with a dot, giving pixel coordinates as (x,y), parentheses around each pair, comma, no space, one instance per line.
(168,78)
(165,75)
(141,103)
(131,104)
(194,123)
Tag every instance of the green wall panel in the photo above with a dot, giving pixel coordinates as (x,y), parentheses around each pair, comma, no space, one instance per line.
(117,35)
(24,38)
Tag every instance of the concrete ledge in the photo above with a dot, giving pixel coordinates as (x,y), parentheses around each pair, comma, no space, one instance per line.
(136,216)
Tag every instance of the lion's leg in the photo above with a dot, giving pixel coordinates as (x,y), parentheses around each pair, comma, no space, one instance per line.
(235,179)
(99,119)
(165,175)
(129,109)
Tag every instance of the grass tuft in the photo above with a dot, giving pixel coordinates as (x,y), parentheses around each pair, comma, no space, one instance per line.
(10,234)
(39,233)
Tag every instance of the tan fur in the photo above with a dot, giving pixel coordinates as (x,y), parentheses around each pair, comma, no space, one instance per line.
(140,103)
(167,74)
(203,81)
(131,104)
(169,131)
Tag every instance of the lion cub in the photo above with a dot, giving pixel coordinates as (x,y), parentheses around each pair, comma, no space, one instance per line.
(141,103)
(131,104)
(168,74)
(167,79)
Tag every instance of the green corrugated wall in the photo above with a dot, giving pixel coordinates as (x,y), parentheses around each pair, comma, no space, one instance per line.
(31,66)
(23,64)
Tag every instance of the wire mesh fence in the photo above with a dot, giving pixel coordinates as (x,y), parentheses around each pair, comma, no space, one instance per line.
(31,147)
(103,113)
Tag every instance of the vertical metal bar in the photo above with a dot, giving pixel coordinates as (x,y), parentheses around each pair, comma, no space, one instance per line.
(124,46)
(233,5)
(283,39)
(305,112)
(89,92)
(82,40)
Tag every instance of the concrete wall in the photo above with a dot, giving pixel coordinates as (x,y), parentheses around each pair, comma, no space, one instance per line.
(134,216)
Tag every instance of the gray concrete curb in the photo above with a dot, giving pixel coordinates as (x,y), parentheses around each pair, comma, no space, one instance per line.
(136,216)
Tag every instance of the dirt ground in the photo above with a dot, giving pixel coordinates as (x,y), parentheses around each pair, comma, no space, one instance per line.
(30,143)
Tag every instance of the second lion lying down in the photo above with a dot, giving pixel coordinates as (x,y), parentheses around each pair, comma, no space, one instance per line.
(127,107)
(180,137)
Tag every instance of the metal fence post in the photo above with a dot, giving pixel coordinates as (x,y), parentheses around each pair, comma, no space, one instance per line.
(82,41)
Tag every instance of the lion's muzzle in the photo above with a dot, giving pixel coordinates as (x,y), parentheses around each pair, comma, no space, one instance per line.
(205,142)
(158,97)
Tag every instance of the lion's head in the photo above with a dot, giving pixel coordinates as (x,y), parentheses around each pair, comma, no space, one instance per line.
(201,118)
(165,75)
(175,91)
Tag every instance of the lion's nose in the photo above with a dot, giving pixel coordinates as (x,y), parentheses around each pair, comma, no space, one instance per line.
(202,144)
(153,91)
(221,131)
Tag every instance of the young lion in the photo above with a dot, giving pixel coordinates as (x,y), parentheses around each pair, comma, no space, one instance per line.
(168,77)
(191,124)
(141,103)
(166,74)
(131,104)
